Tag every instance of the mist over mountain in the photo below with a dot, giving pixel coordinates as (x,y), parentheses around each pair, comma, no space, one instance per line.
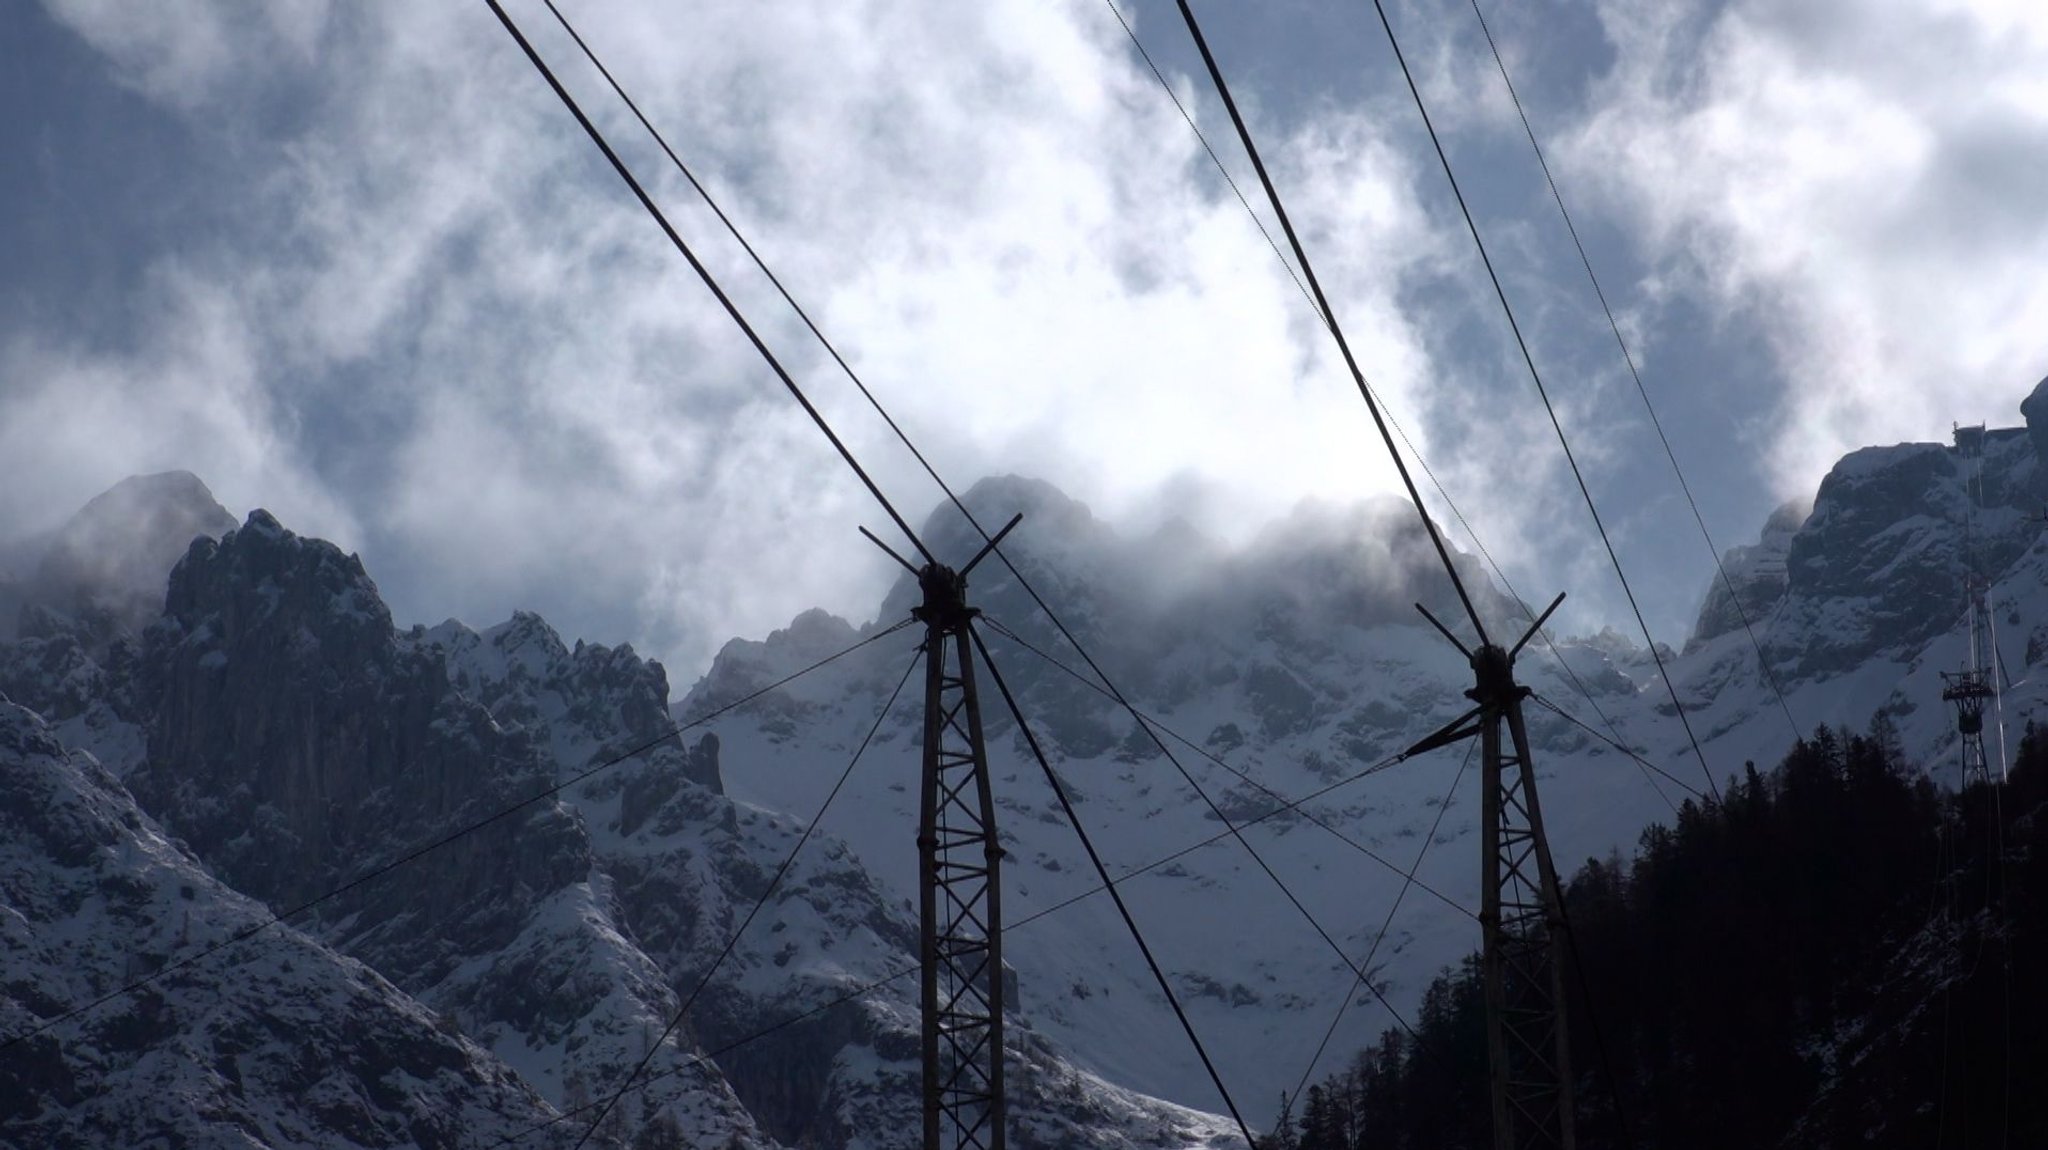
(254,727)
(1301,660)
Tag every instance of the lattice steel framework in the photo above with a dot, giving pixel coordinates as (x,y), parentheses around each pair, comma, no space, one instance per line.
(959,859)
(1527,1044)
(1969,691)
(1521,913)
(1973,687)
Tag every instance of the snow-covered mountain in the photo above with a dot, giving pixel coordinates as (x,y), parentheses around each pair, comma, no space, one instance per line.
(1299,662)
(292,738)
(291,1045)
(254,729)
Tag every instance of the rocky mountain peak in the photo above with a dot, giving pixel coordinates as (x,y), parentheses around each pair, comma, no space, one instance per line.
(293,734)
(1757,572)
(277,1042)
(2034,409)
(1876,570)
(261,570)
(102,572)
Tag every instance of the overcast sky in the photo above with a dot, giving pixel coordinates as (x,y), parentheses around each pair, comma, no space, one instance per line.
(354,263)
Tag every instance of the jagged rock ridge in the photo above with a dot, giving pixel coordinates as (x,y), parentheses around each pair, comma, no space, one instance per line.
(292,1045)
(277,721)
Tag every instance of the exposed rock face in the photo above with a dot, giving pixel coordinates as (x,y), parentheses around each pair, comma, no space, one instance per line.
(276,721)
(1758,573)
(1878,567)
(1298,662)
(294,738)
(2034,409)
(282,1044)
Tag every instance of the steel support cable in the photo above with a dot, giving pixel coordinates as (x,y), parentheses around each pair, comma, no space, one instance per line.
(1542,392)
(425,849)
(1344,1002)
(1624,748)
(1329,314)
(1628,357)
(1102,872)
(1515,597)
(1186,777)
(1271,813)
(1358,376)
(1218,161)
(703,1058)
(1420,460)
(929,469)
(774,883)
(904,438)
(833,351)
(703,273)
(1269,792)
(1232,830)
(648,203)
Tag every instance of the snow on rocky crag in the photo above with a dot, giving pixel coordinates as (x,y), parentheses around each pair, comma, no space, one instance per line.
(1300,662)
(276,722)
(293,1045)
(280,735)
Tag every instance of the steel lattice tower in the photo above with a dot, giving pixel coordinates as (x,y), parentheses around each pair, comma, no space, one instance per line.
(1969,691)
(1521,914)
(960,917)
(1526,1039)
(1971,688)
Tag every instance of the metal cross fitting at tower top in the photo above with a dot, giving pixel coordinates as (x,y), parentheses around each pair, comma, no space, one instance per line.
(1522,912)
(960,934)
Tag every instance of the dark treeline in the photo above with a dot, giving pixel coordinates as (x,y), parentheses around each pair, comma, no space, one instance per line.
(1834,954)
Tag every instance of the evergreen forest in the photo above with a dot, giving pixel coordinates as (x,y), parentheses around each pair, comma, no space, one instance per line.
(1836,952)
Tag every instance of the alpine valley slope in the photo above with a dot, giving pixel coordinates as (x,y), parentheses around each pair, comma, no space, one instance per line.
(295,1046)
(275,721)
(1299,662)
(256,727)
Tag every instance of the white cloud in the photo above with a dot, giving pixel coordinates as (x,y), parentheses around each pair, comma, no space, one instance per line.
(77,420)
(1866,186)
(516,395)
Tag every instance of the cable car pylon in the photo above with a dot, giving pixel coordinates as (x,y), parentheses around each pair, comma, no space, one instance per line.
(960,932)
(1522,909)
(1974,686)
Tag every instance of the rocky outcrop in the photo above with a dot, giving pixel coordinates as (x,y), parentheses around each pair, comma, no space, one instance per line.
(295,743)
(276,1042)
(1757,575)
(2034,409)
(1878,568)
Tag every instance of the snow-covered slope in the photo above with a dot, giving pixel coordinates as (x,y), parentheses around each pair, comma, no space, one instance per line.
(277,721)
(685,865)
(283,1043)
(1297,664)
(279,724)
(1300,662)
(1871,609)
